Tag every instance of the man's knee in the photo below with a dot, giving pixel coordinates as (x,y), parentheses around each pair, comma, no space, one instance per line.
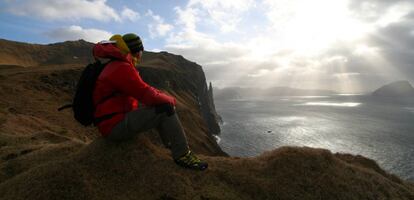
(165,108)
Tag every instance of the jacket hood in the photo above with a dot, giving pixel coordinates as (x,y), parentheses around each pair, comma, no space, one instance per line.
(110,50)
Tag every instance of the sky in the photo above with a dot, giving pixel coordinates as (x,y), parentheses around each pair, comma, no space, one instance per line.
(350,46)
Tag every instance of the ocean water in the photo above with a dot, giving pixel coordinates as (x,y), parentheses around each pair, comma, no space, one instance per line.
(380,129)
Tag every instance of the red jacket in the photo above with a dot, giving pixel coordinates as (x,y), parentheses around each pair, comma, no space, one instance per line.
(121,77)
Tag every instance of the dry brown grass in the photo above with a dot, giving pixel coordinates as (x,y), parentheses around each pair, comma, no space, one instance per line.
(139,169)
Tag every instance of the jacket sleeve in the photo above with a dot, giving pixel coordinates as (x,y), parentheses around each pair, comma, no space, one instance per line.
(127,80)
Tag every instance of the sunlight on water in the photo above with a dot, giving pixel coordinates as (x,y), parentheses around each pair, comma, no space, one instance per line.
(349,94)
(300,98)
(312,97)
(377,129)
(345,104)
(291,118)
(305,131)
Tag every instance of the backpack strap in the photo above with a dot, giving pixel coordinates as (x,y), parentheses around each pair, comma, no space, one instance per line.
(65,107)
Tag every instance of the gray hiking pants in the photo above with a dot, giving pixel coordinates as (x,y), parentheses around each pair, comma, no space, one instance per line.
(145,118)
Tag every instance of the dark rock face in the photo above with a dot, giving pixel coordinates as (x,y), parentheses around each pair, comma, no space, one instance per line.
(395,89)
(208,109)
(176,73)
(214,115)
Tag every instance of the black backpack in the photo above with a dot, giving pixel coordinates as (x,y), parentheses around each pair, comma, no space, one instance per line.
(82,105)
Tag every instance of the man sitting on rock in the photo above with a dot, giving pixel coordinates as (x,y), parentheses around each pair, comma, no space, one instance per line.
(117,92)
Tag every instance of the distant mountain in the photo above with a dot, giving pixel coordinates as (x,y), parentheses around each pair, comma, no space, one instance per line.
(395,89)
(238,92)
(33,55)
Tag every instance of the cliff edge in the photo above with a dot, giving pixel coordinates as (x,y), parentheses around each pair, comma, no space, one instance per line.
(45,154)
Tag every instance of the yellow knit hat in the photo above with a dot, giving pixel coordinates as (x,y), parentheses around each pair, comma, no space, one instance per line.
(120,43)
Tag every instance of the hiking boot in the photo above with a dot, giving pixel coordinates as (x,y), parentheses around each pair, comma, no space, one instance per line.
(190,160)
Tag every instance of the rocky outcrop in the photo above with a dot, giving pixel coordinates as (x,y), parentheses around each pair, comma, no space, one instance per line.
(395,89)
(216,117)
(208,109)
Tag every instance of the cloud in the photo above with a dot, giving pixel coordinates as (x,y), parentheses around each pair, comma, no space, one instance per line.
(344,46)
(384,55)
(202,48)
(214,55)
(158,27)
(397,45)
(77,32)
(259,73)
(381,12)
(64,9)
(348,74)
(130,14)
(226,14)
(187,17)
